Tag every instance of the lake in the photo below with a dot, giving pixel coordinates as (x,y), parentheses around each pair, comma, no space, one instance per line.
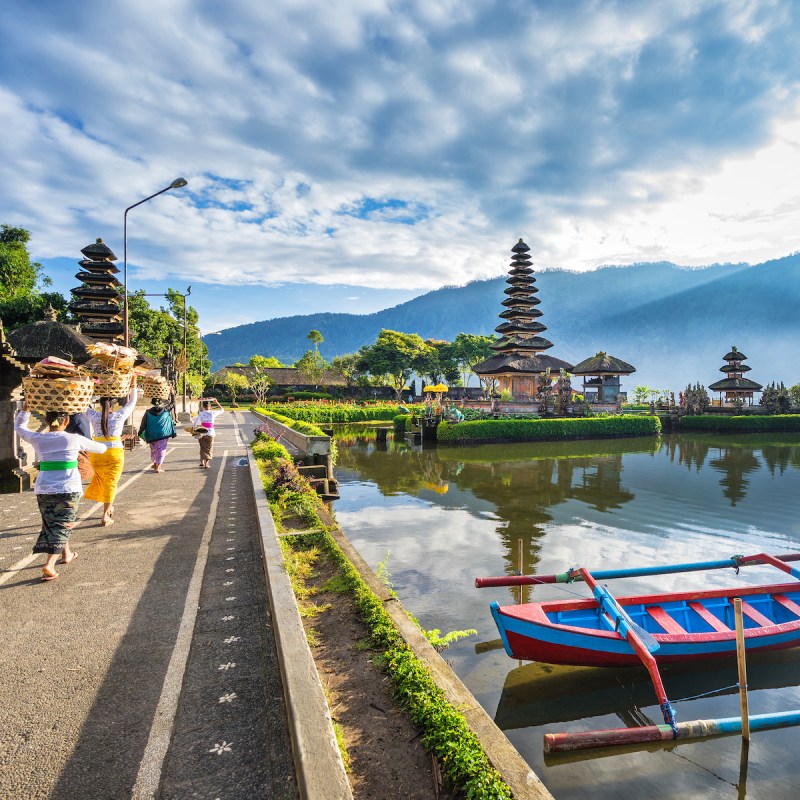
(437,518)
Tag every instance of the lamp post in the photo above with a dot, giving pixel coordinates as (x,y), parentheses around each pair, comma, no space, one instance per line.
(176,184)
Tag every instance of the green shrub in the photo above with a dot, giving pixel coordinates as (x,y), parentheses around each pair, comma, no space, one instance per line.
(751,423)
(335,412)
(401,424)
(529,430)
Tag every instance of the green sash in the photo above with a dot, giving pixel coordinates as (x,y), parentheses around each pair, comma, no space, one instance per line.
(52,466)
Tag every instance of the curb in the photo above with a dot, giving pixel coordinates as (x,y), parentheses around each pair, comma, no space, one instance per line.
(318,762)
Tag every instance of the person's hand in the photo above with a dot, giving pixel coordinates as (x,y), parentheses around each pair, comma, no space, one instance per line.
(25,405)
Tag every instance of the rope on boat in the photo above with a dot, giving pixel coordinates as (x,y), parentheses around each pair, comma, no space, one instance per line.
(708,694)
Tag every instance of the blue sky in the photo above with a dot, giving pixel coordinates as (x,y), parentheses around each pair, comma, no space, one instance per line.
(349,156)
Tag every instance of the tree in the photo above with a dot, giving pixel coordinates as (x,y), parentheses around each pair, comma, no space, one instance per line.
(18,274)
(641,394)
(346,366)
(393,355)
(470,349)
(21,301)
(794,394)
(316,338)
(264,362)
(260,384)
(312,366)
(235,382)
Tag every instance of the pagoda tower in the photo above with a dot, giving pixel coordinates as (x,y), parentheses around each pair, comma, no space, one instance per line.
(97,301)
(519,364)
(735,386)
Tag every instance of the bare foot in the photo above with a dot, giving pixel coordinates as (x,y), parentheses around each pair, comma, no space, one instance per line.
(107,521)
(65,560)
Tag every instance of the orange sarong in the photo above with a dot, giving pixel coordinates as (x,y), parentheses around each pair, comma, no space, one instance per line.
(107,471)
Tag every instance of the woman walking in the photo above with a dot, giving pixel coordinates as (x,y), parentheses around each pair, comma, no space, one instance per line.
(58,486)
(157,428)
(205,420)
(107,427)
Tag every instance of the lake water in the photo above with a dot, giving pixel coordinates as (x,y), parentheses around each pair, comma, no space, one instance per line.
(440,517)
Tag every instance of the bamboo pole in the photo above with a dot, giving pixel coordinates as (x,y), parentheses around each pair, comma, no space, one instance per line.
(520,567)
(742,664)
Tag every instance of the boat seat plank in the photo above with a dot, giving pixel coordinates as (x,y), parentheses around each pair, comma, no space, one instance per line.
(756,616)
(665,620)
(788,604)
(716,623)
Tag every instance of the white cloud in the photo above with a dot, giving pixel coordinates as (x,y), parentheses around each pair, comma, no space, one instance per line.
(598,132)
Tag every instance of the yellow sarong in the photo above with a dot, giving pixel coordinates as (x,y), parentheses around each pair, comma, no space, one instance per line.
(107,472)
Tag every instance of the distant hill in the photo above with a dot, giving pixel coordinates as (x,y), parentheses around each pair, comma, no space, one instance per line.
(673,324)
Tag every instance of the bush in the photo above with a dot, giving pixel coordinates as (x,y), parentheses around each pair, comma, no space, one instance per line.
(402,422)
(751,423)
(335,412)
(530,430)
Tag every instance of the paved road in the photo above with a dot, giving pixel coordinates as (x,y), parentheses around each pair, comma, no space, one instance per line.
(148,668)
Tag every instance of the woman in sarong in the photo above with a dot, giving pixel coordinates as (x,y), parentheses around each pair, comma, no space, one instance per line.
(204,422)
(157,428)
(58,486)
(107,427)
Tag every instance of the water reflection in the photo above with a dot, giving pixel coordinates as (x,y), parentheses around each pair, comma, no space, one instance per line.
(449,515)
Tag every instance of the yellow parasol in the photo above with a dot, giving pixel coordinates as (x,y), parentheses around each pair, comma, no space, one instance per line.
(440,388)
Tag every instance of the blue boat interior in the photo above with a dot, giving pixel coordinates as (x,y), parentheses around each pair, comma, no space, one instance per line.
(708,615)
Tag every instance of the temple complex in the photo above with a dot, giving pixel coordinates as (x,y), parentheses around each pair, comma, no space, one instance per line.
(735,385)
(519,364)
(97,301)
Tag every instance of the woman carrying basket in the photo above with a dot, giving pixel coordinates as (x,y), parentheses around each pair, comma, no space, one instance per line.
(157,428)
(58,486)
(107,427)
(204,424)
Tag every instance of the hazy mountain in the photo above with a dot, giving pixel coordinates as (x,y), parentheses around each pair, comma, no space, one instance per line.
(673,324)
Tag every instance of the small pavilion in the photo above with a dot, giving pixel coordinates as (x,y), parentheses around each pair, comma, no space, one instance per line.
(735,385)
(602,377)
(519,364)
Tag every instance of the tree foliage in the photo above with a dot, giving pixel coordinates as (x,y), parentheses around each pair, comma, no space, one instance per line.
(235,383)
(264,362)
(312,366)
(394,355)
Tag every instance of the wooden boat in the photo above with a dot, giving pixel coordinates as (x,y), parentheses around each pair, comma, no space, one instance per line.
(649,629)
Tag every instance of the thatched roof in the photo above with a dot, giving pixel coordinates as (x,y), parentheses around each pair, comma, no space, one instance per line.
(33,342)
(734,355)
(603,364)
(499,364)
(735,384)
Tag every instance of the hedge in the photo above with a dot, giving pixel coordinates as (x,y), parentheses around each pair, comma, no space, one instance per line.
(332,412)
(751,423)
(402,422)
(530,430)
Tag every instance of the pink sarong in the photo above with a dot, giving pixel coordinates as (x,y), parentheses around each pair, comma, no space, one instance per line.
(158,450)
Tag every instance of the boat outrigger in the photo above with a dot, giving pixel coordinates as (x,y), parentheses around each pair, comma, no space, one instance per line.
(649,629)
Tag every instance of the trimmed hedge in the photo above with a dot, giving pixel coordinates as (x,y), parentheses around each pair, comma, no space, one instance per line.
(402,422)
(331,412)
(751,423)
(531,430)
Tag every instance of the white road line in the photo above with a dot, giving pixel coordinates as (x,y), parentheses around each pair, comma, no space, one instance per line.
(22,563)
(152,763)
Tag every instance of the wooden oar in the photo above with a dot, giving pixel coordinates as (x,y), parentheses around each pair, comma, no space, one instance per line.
(643,644)
(665,569)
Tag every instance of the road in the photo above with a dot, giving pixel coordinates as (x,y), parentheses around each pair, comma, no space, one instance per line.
(148,669)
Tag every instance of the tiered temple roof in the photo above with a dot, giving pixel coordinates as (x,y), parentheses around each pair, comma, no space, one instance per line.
(519,349)
(735,384)
(97,301)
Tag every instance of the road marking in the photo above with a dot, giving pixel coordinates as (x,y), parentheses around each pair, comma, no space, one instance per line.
(152,763)
(22,563)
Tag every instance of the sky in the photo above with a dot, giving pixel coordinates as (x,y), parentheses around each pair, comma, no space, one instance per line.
(349,156)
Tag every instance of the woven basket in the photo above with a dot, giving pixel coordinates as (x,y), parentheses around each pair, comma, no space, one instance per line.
(112,384)
(155,389)
(70,395)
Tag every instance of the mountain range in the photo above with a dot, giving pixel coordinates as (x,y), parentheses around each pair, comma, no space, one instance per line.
(672,323)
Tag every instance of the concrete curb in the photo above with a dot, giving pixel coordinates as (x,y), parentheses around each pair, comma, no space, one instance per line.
(318,762)
(504,757)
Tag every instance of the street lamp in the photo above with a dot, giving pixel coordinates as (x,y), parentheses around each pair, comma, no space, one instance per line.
(183,296)
(176,184)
